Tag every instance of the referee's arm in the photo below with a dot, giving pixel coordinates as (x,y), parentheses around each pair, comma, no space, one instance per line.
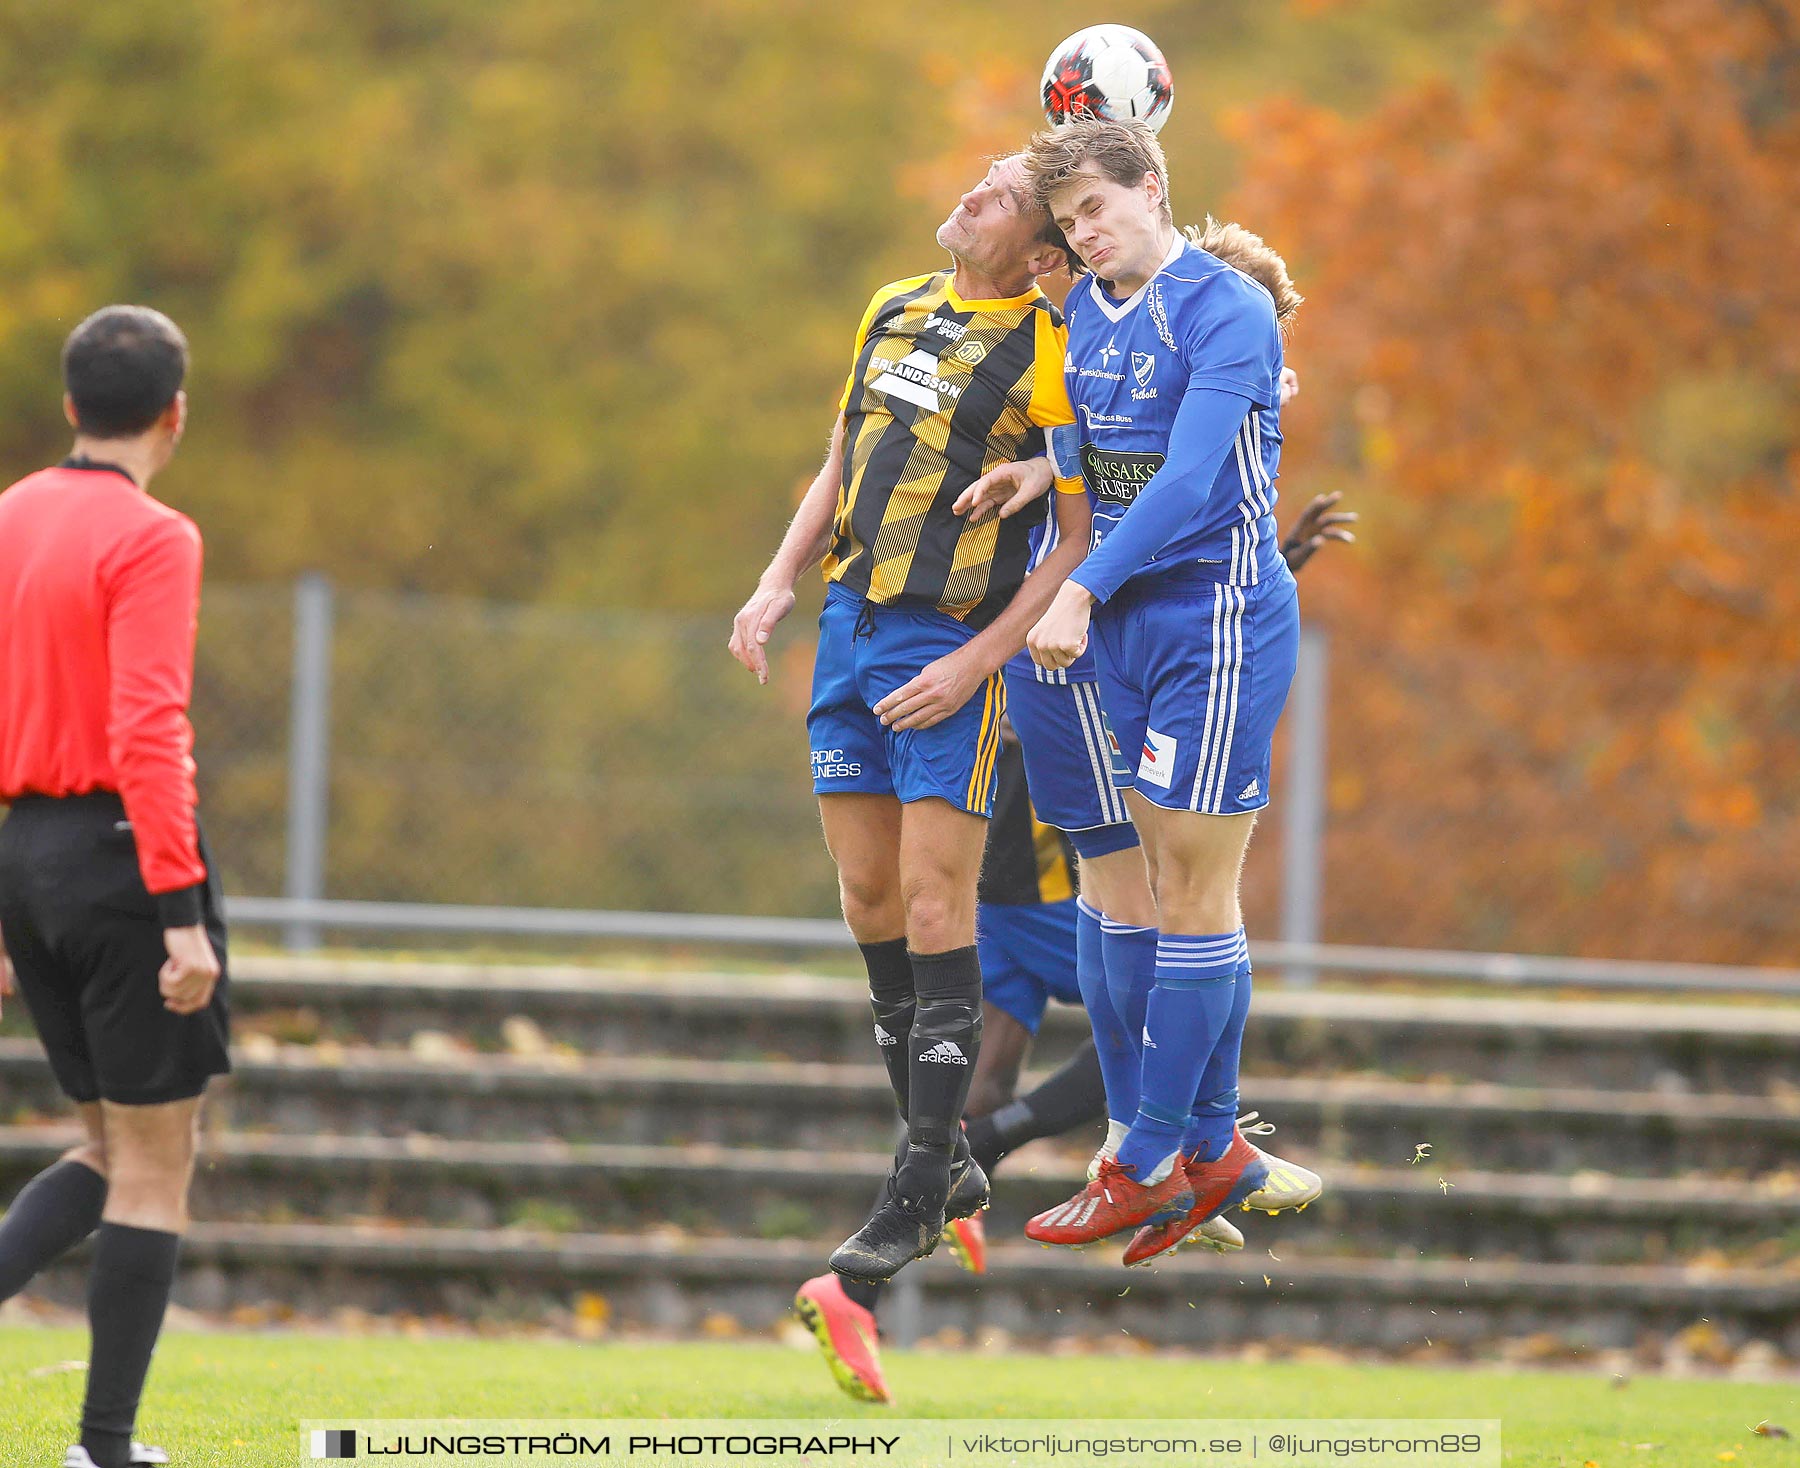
(153,614)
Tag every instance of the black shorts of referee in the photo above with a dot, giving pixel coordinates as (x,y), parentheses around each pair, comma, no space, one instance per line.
(86,946)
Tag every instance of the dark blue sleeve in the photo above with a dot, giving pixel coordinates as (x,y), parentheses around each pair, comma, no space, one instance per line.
(1206,426)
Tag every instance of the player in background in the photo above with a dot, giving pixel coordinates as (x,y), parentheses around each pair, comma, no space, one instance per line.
(1174,365)
(1058,713)
(953,372)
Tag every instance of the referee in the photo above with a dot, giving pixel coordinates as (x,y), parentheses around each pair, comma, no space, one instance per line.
(109,912)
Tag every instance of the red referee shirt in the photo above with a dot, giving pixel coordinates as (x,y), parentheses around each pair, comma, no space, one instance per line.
(99,602)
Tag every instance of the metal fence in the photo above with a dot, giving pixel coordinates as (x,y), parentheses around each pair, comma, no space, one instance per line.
(390,748)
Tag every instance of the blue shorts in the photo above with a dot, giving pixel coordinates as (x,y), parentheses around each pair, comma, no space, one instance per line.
(865,653)
(1027,957)
(1071,763)
(1194,676)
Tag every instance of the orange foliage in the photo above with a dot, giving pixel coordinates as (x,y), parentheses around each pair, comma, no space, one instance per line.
(1552,346)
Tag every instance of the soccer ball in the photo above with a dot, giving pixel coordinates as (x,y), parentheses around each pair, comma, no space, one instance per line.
(1108,71)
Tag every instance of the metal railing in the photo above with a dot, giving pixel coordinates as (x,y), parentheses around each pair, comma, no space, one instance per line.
(1501,970)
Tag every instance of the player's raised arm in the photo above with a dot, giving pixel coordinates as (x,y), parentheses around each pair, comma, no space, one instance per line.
(1206,427)
(802,548)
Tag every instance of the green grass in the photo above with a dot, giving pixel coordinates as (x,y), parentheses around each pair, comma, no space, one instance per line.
(237,1399)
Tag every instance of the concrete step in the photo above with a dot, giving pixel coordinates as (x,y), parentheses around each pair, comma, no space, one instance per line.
(659,1100)
(1751,1049)
(673,1283)
(1374,1213)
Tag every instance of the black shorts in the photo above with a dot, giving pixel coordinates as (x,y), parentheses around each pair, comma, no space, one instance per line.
(86,945)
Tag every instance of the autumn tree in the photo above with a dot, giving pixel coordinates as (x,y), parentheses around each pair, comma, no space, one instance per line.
(1553,346)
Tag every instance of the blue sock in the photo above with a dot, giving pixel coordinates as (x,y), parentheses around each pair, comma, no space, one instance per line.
(1118,1057)
(1215,1110)
(1130,955)
(1196,981)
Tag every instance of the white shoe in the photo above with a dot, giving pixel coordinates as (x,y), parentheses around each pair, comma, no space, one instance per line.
(1219,1235)
(1289,1185)
(142,1456)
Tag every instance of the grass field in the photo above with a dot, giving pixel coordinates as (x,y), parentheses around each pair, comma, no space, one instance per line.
(221,1401)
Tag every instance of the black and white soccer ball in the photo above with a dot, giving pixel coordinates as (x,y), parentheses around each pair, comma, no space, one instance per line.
(1108,71)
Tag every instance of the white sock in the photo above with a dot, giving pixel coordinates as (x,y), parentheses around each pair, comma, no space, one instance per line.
(1162,1169)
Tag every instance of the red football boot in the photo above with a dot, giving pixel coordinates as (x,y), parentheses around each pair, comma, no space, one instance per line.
(967,1238)
(846,1335)
(1112,1202)
(1216,1186)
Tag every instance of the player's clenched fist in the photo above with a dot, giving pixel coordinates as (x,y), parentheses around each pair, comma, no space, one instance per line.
(755,623)
(1061,634)
(187,979)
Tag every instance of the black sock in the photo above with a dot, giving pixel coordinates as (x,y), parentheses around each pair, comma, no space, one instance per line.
(1070,1095)
(946,1037)
(984,1142)
(53,1213)
(128,1294)
(891,997)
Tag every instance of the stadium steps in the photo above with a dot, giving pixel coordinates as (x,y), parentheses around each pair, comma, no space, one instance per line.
(1681,1048)
(647,1103)
(664,1099)
(679,1283)
(1588,1218)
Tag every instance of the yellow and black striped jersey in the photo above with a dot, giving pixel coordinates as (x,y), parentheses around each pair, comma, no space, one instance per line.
(942,390)
(1025,863)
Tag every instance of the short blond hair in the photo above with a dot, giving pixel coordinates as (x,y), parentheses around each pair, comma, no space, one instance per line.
(1250,253)
(1121,151)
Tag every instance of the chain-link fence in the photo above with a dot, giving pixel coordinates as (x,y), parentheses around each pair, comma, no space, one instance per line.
(483,753)
(538,757)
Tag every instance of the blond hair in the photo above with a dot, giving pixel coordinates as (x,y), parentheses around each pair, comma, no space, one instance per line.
(1248,252)
(1121,151)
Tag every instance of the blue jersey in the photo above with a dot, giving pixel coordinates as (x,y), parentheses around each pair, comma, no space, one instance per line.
(1020,665)
(1197,329)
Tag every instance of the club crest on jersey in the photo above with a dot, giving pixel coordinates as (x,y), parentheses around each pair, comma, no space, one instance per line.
(971,351)
(1143,367)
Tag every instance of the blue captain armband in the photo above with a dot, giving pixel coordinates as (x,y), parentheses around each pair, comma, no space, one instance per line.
(1064,451)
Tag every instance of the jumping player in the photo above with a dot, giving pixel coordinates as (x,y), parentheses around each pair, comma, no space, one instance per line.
(1174,365)
(953,373)
(1067,744)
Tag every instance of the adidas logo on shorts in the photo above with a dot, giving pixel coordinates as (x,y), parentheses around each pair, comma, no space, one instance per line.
(1149,1044)
(882,1037)
(945,1053)
(1251,791)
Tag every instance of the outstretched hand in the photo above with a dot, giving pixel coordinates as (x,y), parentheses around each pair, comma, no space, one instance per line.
(1008,487)
(755,624)
(1317,525)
